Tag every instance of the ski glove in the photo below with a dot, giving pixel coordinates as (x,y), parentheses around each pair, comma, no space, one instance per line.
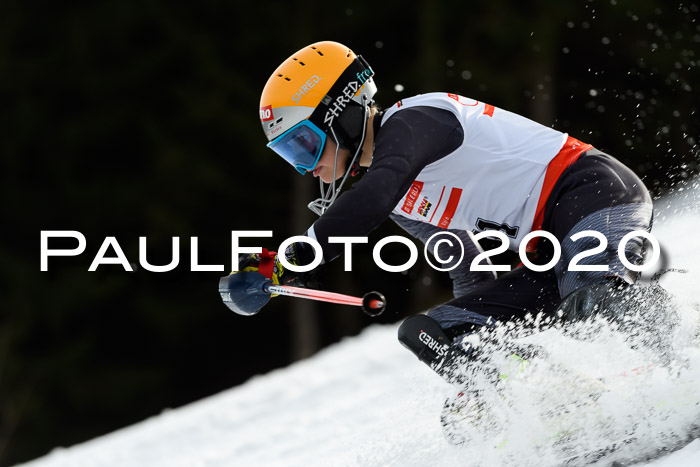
(267,263)
(243,291)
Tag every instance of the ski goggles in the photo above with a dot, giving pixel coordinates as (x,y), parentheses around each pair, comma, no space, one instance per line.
(301,145)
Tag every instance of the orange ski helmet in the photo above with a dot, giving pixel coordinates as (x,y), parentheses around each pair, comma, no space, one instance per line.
(322,90)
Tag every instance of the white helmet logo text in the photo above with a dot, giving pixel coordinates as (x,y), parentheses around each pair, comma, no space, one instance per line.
(305,88)
(348,93)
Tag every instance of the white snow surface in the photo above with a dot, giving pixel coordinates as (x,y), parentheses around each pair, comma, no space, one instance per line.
(368,401)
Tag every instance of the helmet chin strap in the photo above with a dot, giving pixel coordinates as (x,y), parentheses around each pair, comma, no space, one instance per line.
(330,192)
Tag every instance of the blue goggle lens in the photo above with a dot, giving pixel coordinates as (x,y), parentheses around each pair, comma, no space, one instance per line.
(301,145)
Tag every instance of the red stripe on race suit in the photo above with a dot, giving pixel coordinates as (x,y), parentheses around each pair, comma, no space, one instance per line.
(438,205)
(568,154)
(451,207)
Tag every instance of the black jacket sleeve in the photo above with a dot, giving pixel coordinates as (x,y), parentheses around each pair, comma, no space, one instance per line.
(408,141)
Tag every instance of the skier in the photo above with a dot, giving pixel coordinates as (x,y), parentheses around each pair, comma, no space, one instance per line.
(441,161)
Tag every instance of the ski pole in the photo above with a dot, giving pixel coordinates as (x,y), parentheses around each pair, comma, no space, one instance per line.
(246,292)
(372,303)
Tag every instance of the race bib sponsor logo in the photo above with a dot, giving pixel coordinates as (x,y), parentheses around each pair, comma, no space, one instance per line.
(451,208)
(412,196)
(424,207)
(463,100)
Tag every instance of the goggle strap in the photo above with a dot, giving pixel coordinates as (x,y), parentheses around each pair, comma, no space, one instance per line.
(358,67)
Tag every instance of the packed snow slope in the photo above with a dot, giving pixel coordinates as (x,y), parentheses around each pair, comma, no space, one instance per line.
(368,401)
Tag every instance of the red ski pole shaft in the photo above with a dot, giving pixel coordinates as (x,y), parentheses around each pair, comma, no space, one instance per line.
(373,303)
(312,294)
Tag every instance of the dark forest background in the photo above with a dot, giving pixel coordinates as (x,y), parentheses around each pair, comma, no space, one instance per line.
(133,119)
